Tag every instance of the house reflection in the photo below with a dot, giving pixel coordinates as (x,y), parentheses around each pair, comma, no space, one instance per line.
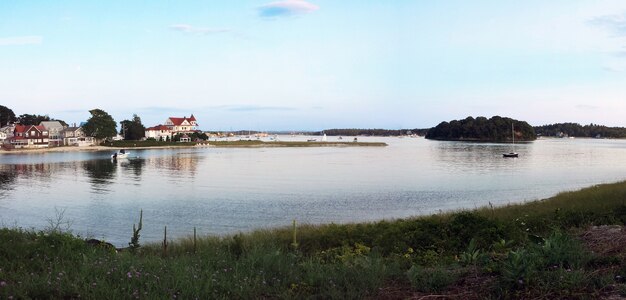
(185,164)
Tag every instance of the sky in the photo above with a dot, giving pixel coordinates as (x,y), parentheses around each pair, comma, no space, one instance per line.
(318,64)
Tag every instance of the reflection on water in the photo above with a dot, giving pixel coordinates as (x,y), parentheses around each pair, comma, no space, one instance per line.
(100,173)
(228,190)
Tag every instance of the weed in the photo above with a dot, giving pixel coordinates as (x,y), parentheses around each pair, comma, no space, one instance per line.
(430,279)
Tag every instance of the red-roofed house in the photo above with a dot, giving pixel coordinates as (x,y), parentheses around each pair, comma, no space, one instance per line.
(29,136)
(159,133)
(182,125)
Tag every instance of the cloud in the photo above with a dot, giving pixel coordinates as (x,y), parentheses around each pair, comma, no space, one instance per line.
(587,107)
(286,8)
(21,40)
(197,30)
(616,24)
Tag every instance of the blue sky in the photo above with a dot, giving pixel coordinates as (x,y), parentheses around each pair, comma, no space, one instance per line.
(310,65)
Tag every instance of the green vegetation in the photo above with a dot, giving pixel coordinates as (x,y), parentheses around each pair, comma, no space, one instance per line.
(577,130)
(132,129)
(496,129)
(100,125)
(540,250)
(6,116)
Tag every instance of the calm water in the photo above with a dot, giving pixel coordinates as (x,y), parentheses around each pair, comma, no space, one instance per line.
(223,191)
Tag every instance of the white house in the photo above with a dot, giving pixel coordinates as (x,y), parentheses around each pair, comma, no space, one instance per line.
(182,125)
(159,133)
(75,136)
(55,129)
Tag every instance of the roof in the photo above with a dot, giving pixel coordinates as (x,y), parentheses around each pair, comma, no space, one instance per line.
(26,128)
(51,124)
(68,129)
(179,121)
(158,127)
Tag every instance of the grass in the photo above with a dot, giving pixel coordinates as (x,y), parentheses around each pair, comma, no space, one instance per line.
(518,251)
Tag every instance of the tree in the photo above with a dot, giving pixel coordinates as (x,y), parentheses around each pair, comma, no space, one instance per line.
(100,126)
(6,116)
(133,129)
(28,119)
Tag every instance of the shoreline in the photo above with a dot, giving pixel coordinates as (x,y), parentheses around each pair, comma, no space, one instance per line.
(233,144)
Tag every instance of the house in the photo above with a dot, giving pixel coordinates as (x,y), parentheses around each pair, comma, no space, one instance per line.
(55,137)
(29,136)
(75,136)
(6,133)
(182,125)
(159,133)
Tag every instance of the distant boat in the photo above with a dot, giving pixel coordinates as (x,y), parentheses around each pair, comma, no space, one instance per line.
(311,140)
(324,139)
(511,154)
(121,154)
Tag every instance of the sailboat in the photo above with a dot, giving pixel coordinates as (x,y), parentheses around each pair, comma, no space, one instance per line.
(511,154)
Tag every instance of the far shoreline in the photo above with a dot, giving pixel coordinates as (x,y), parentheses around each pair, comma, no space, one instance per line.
(220,144)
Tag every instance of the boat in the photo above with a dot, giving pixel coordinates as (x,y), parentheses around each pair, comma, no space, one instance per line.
(511,154)
(121,154)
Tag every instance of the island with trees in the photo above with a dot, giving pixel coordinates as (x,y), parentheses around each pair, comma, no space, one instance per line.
(577,130)
(495,129)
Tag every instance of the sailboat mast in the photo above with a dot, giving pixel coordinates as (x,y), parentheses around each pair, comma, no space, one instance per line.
(513,133)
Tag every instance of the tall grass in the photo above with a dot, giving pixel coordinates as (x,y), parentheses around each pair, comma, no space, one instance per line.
(528,248)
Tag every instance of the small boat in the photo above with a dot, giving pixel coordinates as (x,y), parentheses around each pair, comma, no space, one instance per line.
(511,154)
(311,140)
(121,154)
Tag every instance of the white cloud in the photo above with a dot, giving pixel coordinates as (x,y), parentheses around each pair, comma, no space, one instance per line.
(286,8)
(21,40)
(614,23)
(197,30)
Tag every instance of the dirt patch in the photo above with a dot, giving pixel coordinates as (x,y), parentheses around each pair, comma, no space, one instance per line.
(605,240)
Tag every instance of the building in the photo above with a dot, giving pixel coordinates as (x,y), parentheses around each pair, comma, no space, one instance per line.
(182,125)
(55,135)
(29,136)
(75,136)
(6,133)
(159,133)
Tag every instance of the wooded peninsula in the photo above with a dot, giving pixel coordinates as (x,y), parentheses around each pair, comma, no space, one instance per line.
(495,129)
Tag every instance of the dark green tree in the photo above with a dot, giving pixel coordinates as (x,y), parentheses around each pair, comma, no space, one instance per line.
(100,125)
(133,129)
(28,119)
(6,116)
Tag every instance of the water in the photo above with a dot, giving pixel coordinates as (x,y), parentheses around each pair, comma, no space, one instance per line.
(227,190)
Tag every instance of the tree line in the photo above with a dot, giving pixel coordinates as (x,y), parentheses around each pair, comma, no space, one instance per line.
(577,130)
(495,129)
(371,132)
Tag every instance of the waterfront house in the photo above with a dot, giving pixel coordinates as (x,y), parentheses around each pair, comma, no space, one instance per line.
(55,128)
(182,125)
(75,136)
(29,136)
(6,133)
(159,133)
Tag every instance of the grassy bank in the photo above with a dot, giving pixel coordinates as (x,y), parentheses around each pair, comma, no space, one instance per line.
(543,249)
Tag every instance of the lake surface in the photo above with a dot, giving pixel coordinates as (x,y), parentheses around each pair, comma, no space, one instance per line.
(227,190)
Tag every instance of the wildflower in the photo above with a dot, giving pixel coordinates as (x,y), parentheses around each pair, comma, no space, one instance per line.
(3,283)
(129,275)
